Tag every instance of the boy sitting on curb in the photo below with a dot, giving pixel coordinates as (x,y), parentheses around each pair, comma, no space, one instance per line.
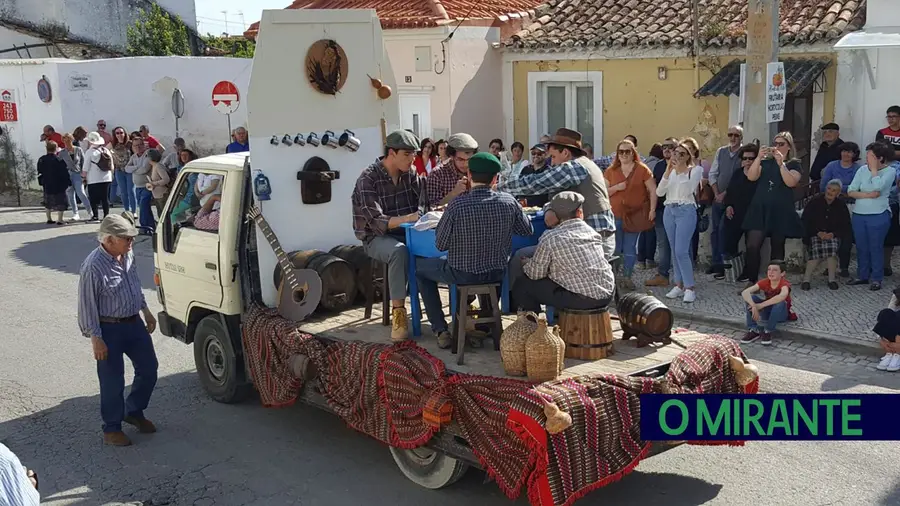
(768,301)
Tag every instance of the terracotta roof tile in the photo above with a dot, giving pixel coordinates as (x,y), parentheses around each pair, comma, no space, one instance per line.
(420,13)
(563,24)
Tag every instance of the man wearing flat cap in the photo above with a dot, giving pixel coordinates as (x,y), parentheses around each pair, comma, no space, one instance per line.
(829,150)
(388,194)
(449,180)
(570,170)
(476,231)
(110,304)
(569,269)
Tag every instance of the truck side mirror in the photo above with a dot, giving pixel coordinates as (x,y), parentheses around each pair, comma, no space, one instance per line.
(168,234)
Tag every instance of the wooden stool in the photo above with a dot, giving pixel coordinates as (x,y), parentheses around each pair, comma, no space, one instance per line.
(461,319)
(376,266)
(588,333)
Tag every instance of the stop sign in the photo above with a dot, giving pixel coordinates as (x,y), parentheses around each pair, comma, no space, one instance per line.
(225,97)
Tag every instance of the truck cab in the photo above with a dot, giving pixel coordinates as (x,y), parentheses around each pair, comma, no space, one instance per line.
(197,270)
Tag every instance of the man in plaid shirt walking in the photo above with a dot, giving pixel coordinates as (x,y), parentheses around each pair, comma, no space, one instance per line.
(569,269)
(476,231)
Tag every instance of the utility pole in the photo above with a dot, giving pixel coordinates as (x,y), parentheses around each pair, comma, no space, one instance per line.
(225,13)
(243,23)
(762,48)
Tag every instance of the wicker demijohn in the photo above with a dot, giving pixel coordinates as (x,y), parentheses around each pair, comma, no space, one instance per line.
(512,343)
(556,334)
(543,354)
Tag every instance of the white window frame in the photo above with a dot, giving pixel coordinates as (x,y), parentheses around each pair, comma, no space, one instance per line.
(537,84)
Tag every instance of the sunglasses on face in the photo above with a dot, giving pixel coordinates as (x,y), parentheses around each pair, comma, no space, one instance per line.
(734,135)
(682,153)
(624,151)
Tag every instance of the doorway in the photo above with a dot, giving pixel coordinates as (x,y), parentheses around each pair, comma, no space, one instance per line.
(415,113)
(798,119)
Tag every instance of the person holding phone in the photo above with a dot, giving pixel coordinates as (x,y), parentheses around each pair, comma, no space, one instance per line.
(771,213)
(449,181)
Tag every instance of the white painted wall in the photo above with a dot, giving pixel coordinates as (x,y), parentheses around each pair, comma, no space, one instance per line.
(859,108)
(282,102)
(126,92)
(465,86)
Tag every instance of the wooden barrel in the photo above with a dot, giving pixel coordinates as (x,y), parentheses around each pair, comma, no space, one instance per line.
(588,333)
(338,277)
(355,255)
(642,314)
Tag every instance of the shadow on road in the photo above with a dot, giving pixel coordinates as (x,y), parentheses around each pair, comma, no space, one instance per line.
(65,253)
(245,454)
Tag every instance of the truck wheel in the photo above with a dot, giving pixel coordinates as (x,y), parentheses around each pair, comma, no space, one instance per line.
(429,468)
(217,364)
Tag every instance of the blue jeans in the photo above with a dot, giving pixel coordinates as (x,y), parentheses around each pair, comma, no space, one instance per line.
(77,188)
(114,190)
(662,241)
(647,246)
(626,245)
(869,231)
(145,213)
(430,272)
(132,340)
(681,221)
(771,315)
(717,233)
(125,185)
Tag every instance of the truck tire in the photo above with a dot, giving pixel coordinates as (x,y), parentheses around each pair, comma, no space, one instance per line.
(429,468)
(221,372)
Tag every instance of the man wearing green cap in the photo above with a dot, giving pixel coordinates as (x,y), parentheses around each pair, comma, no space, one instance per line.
(387,195)
(476,231)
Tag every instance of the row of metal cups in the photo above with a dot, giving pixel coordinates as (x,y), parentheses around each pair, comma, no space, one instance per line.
(347,140)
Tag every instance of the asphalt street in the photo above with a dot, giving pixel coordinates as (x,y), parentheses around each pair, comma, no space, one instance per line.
(211,454)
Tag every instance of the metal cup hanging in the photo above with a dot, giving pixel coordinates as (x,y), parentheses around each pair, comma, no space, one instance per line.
(329,139)
(350,141)
(274,141)
(300,140)
(286,140)
(313,140)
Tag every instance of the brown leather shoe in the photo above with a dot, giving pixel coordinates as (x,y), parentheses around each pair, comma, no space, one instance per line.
(657,281)
(143,425)
(116,439)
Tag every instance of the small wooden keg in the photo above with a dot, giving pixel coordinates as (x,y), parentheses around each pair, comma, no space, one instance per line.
(338,277)
(645,317)
(588,333)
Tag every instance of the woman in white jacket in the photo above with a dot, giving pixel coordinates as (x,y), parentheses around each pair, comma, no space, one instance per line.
(98,178)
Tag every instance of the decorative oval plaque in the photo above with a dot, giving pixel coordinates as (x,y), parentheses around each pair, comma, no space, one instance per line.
(326,66)
(45,92)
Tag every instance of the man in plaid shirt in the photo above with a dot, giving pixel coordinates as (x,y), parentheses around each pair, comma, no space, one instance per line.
(387,195)
(569,269)
(449,180)
(476,231)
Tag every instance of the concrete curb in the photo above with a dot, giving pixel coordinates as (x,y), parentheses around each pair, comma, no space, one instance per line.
(789,331)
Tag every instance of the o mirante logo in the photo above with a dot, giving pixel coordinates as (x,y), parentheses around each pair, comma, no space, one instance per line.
(769,417)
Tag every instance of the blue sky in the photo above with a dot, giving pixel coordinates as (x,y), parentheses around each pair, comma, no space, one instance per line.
(211,19)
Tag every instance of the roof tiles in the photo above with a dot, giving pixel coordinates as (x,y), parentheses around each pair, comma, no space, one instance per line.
(418,13)
(573,24)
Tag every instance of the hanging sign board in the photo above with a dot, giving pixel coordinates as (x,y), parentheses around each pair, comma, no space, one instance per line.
(776,92)
(8,109)
(225,97)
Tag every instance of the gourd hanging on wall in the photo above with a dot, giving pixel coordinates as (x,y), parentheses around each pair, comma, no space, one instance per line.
(327,66)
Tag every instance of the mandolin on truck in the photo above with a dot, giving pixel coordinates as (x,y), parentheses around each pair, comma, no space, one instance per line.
(257,269)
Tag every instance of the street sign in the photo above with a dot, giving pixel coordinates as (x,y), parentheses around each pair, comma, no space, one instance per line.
(178,103)
(225,97)
(8,109)
(776,92)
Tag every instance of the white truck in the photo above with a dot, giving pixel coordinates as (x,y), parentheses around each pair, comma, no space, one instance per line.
(207,277)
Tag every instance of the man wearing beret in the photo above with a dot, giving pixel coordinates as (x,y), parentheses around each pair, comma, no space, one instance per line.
(388,194)
(829,150)
(569,269)
(449,180)
(476,231)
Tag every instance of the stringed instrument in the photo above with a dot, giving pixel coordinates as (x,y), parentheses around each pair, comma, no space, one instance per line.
(300,290)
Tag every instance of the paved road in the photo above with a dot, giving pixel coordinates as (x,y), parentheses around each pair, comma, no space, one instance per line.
(212,454)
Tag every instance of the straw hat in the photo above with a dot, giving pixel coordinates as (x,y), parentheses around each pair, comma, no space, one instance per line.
(95,139)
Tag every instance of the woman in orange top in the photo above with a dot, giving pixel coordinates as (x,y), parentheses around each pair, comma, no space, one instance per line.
(632,194)
(425,161)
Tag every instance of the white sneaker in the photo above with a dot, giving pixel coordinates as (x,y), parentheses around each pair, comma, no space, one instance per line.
(689,296)
(885,361)
(674,293)
(894,365)
(75,217)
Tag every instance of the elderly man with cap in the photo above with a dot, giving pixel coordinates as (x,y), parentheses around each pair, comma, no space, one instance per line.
(110,304)
(569,269)
(476,231)
(449,180)
(388,194)
(829,150)
(570,170)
